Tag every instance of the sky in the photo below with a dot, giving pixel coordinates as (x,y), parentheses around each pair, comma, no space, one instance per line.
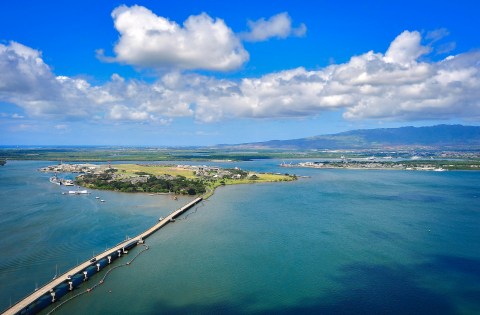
(182,73)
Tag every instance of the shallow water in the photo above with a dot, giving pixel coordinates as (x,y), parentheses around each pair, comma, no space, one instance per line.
(342,241)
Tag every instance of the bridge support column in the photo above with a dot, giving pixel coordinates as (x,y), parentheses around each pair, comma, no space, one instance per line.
(85,276)
(70,284)
(98,267)
(109,259)
(53,296)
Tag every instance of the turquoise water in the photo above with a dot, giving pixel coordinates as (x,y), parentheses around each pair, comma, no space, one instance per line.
(341,241)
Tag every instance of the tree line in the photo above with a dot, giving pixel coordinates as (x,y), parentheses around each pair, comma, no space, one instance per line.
(153,184)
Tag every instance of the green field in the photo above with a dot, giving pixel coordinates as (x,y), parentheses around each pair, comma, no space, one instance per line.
(134,169)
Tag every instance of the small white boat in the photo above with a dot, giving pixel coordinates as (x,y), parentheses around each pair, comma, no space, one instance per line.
(55,180)
(78,192)
(97,197)
(101,200)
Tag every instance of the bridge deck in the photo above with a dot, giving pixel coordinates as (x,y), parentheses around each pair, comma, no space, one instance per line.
(81,267)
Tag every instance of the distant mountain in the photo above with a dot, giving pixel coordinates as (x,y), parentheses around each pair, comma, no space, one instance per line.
(440,136)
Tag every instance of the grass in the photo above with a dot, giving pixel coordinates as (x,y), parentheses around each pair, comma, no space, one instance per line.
(262,178)
(131,169)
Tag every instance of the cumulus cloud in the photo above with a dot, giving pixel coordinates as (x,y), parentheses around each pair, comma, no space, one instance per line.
(406,49)
(277,26)
(148,40)
(25,80)
(23,70)
(395,85)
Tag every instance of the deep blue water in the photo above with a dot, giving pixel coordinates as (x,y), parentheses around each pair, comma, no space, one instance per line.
(341,241)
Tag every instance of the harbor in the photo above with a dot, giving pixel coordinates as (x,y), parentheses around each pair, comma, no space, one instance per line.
(68,281)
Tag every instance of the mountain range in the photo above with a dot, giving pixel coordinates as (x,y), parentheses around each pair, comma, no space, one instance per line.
(434,137)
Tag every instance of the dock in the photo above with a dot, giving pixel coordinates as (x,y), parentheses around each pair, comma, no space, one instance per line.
(25,306)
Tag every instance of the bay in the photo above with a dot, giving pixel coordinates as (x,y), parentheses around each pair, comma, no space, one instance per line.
(341,241)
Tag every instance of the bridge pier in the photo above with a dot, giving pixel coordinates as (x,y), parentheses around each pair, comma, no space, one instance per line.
(26,303)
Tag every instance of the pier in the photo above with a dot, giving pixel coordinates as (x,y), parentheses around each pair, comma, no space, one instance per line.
(48,292)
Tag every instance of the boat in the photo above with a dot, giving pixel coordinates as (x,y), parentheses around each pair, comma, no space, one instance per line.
(78,192)
(60,181)
(97,197)
(55,180)
(101,200)
(68,182)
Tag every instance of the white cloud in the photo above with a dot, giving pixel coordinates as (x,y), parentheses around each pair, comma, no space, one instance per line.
(279,26)
(391,86)
(406,48)
(437,34)
(13,116)
(23,70)
(148,40)
(446,48)
(25,80)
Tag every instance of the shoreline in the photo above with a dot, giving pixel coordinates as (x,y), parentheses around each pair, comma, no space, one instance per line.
(192,180)
(387,166)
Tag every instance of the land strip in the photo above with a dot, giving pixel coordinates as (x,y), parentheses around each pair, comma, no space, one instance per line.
(157,178)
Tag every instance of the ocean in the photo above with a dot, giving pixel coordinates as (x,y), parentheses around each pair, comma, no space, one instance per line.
(337,242)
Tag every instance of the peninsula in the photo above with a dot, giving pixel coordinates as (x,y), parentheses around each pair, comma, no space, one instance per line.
(158,178)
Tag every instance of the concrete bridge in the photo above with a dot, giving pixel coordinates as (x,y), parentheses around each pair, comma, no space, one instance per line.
(25,306)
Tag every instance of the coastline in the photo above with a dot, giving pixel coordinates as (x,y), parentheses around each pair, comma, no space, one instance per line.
(435,166)
(193,180)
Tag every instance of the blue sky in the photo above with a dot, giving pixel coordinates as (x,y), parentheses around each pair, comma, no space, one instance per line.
(210,72)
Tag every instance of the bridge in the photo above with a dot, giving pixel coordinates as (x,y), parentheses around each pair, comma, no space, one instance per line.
(24,306)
